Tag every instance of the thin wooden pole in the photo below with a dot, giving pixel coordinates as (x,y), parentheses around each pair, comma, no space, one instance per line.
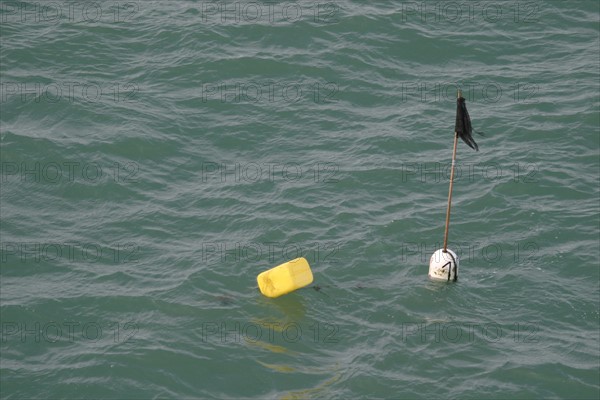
(450,188)
(450,193)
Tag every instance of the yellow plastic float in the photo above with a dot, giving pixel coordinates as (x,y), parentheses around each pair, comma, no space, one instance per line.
(285,278)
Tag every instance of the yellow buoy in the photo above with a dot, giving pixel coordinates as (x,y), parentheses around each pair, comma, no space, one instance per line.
(285,278)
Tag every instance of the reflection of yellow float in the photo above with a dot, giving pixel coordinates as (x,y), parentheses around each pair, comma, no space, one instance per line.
(317,391)
(267,346)
(285,278)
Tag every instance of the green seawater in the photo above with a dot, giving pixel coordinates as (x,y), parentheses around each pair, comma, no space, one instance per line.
(157,155)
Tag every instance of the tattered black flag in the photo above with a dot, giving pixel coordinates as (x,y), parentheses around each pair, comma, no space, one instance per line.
(463,124)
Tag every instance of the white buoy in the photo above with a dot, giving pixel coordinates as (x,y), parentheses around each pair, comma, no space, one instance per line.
(443,265)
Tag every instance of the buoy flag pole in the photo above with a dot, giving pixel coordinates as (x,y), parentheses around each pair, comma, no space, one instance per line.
(463,129)
(450,189)
(443,264)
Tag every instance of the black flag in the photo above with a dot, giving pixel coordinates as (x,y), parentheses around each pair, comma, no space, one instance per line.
(463,124)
